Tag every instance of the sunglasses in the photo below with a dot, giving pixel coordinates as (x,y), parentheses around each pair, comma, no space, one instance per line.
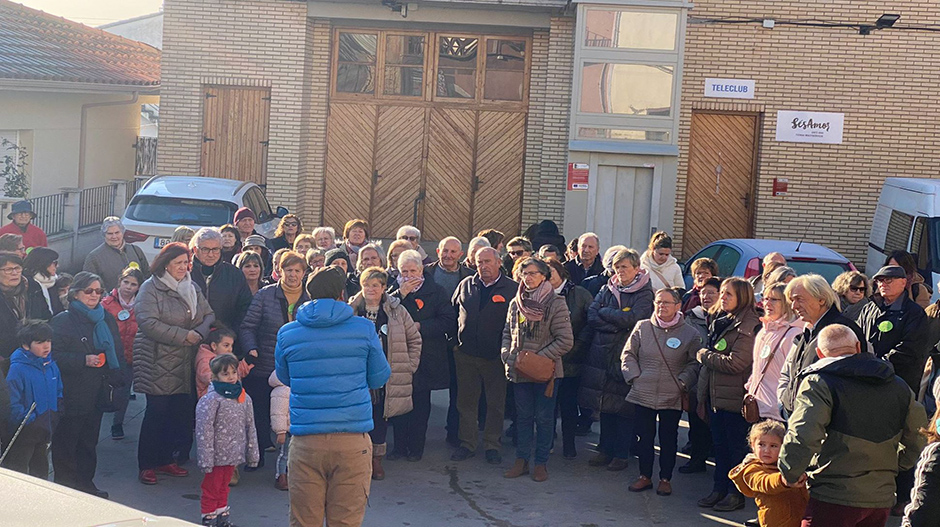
(93,291)
(857,289)
(291,224)
(516,253)
(409,238)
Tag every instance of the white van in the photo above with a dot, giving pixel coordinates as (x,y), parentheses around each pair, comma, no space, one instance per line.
(908,218)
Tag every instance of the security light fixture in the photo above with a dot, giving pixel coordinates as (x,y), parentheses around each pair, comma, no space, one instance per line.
(884,21)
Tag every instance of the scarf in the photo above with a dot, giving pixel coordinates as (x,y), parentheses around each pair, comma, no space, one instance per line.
(229,390)
(292,294)
(533,303)
(102,337)
(16,298)
(561,289)
(47,283)
(401,280)
(665,324)
(641,279)
(184,288)
(124,305)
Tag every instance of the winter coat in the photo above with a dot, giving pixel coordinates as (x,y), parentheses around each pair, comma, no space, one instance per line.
(602,385)
(668,274)
(577,273)
(31,380)
(652,383)
(225,432)
(924,509)
(430,307)
(551,337)
(280,242)
(698,319)
(226,291)
(330,359)
(204,373)
(850,417)
(280,405)
(803,354)
(108,263)
(33,236)
(547,234)
(578,300)
(851,311)
(163,362)
(777,504)
(127,328)
(403,351)
(898,336)
(36,309)
(593,284)
(726,361)
(481,315)
(266,315)
(73,339)
(919,291)
(776,338)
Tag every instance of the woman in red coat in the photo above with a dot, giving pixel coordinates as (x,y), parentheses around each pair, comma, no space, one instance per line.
(120,303)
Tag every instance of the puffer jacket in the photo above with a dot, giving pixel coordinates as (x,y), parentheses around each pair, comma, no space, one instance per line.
(726,361)
(643,366)
(330,359)
(280,405)
(898,336)
(163,362)
(578,300)
(602,385)
(403,352)
(772,343)
(266,315)
(73,337)
(669,271)
(127,328)
(31,380)
(225,431)
(924,509)
(854,425)
(430,307)
(551,337)
(777,504)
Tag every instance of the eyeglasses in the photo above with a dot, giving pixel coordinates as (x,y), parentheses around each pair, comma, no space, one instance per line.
(93,291)
(291,224)
(886,279)
(516,253)
(210,250)
(857,289)
(409,238)
(664,303)
(12,270)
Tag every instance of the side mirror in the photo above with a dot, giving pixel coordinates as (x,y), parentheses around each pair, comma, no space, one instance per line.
(281,212)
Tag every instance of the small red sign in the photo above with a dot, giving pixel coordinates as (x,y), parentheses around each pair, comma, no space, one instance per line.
(780,186)
(578,176)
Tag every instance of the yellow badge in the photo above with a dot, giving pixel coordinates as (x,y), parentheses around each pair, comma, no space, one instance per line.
(626,309)
(134,265)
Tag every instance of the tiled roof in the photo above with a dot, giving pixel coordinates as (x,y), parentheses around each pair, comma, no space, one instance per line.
(39,46)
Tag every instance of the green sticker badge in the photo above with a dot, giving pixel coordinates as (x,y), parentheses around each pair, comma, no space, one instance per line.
(885,326)
(721,345)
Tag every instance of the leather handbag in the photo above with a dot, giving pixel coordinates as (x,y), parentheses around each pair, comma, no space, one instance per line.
(749,408)
(537,368)
(683,393)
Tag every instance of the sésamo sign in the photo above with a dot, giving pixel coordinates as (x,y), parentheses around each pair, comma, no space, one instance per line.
(809,127)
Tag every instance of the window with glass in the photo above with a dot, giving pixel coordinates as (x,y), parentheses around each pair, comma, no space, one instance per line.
(626,89)
(505,69)
(622,134)
(356,63)
(404,65)
(619,29)
(457,67)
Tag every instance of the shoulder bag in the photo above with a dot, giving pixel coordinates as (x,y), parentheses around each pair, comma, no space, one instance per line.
(683,393)
(749,408)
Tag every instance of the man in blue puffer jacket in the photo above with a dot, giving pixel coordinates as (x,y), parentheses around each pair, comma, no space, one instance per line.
(330,359)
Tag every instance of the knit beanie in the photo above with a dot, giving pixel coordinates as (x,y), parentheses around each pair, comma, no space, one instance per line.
(335,254)
(255,240)
(243,213)
(326,282)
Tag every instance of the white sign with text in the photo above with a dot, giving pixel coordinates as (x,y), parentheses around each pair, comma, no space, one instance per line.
(729,88)
(809,127)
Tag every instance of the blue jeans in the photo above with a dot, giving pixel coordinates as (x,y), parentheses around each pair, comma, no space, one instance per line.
(282,454)
(729,437)
(533,408)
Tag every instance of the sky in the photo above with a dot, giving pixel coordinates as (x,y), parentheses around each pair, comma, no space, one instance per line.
(95,12)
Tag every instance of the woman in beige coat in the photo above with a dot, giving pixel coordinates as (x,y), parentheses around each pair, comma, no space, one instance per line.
(402,344)
(538,321)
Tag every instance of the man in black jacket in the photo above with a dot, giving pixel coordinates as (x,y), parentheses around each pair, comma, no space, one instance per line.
(588,263)
(222,283)
(482,302)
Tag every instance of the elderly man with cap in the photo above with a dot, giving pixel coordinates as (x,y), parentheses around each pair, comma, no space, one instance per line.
(22,216)
(109,259)
(245,221)
(330,359)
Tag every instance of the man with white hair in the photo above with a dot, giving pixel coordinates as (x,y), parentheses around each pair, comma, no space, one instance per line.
(222,283)
(475,245)
(818,306)
(447,271)
(109,259)
(587,263)
(854,424)
(412,235)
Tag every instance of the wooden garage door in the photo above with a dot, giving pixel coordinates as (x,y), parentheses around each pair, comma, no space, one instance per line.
(398,165)
(497,200)
(721,175)
(349,171)
(451,138)
(235,133)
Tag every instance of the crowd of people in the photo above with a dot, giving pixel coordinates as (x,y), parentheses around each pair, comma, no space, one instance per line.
(809,397)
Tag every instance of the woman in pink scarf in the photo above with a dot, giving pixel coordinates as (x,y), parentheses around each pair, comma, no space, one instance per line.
(771,346)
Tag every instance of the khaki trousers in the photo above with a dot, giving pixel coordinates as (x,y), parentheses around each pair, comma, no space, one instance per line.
(472,373)
(330,475)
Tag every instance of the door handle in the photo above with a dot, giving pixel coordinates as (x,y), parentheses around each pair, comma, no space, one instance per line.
(475,186)
(375,176)
(747,200)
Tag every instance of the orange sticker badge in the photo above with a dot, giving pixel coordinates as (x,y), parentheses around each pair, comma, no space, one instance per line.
(420,303)
(499,299)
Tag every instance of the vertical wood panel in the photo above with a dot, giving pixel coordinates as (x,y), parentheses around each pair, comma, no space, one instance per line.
(449,173)
(398,160)
(237,121)
(500,157)
(351,143)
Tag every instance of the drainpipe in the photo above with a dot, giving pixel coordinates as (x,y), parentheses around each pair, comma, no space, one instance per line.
(83,132)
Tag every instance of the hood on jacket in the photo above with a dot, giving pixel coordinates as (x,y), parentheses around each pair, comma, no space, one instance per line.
(864,367)
(22,356)
(323,312)
(647,261)
(547,227)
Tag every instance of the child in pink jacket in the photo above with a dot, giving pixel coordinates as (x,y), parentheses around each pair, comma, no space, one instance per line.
(220,340)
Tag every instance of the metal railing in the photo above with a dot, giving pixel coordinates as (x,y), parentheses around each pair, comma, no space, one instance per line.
(50,213)
(95,204)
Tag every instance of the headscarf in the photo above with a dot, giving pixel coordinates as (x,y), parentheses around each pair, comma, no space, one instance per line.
(102,337)
(184,288)
(533,303)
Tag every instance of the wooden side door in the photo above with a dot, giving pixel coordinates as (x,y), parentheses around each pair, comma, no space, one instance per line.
(497,185)
(451,142)
(721,176)
(399,162)
(235,133)
(349,165)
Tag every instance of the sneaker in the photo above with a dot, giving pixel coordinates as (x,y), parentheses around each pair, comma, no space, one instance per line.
(223,520)
(540,473)
(642,483)
(209,520)
(493,457)
(173,470)
(664,488)
(519,468)
(117,432)
(147,477)
(732,502)
(461,454)
(692,467)
(600,460)
(709,501)
(617,464)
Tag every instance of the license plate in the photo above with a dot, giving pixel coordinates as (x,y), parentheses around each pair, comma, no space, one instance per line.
(158,243)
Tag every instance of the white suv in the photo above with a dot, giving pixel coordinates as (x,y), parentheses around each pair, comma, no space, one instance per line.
(166,202)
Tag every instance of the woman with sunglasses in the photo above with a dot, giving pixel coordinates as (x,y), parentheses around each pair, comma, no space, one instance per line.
(854,291)
(287,231)
(89,353)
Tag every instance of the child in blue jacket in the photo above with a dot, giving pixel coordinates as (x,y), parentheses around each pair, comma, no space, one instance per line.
(33,377)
